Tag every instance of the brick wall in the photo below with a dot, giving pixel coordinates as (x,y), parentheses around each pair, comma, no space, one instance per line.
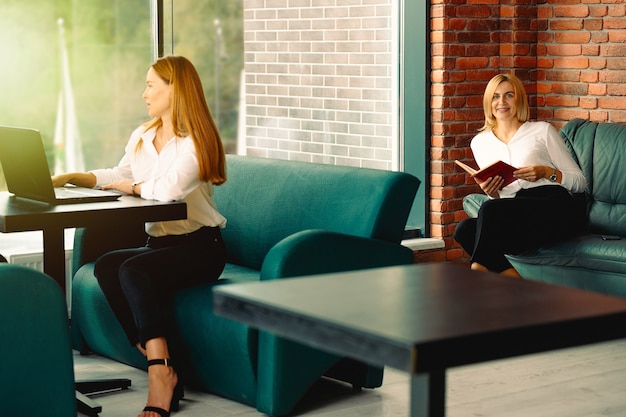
(320,78)
(571,55)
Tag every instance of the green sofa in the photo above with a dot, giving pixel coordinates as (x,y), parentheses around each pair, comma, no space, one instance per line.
(285,219)
(586,261)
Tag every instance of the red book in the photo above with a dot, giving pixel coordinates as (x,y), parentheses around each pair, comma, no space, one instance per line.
(499,168)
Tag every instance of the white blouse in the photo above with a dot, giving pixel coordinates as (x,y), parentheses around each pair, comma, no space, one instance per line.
(534,143)
(170,175)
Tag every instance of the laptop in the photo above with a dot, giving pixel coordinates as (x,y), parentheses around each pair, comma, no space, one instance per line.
(26,171)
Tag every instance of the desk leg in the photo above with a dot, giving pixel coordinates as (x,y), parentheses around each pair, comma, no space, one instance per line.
(54,266)
(54,254)
(428,394)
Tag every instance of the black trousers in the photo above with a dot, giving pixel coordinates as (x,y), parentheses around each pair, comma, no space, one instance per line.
(140,283)
(535,217)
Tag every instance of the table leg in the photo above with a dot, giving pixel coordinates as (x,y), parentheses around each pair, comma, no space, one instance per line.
(428,394)
(54,254)
(54,266)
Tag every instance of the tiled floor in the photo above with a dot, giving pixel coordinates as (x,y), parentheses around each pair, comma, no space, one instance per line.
(588,381)
(328,399)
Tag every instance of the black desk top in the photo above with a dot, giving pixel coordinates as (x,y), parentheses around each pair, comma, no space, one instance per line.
(17,215)
(424,317)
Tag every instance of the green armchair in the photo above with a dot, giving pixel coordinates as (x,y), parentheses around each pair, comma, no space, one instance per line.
(37,364)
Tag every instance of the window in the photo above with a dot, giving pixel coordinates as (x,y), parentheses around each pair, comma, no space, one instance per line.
(309,98)
(210,34)
(76,67)
(414,103)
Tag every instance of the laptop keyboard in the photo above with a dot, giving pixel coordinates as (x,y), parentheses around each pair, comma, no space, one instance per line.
(66,192)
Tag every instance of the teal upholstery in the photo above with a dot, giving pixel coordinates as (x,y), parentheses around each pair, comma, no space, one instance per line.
(37,365)
(586,261)
(285,219)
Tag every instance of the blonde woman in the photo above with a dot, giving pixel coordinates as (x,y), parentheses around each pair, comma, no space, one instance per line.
(177,155)
(537,208)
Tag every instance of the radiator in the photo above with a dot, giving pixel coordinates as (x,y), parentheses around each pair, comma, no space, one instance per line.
(35,260)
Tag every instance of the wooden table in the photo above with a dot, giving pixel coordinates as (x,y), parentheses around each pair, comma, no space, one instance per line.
(17,215)
(425,318)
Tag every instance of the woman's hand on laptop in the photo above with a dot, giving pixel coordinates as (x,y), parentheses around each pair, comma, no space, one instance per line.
(125,186)
(81,179)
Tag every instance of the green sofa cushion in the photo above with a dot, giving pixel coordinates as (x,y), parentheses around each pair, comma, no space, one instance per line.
(586,251)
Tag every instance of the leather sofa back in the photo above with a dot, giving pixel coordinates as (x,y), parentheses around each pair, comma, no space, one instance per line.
(600,150)
(266,200)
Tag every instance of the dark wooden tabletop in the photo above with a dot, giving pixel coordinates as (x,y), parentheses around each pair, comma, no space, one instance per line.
(425,317)
(17,215)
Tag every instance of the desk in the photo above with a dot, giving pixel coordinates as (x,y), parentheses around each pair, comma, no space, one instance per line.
(20,216)
(425,318)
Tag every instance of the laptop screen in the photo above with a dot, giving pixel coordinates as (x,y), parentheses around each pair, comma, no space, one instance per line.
(24,163)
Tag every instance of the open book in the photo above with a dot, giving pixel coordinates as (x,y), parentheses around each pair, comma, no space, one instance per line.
(497,168)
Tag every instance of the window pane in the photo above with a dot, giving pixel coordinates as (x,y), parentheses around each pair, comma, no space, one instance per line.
(210,34)
(95,98)
(108,47)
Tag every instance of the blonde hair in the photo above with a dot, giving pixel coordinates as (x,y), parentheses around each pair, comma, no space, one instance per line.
(191,116)
(521,100)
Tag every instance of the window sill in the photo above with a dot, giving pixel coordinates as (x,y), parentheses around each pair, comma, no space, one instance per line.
(423,243)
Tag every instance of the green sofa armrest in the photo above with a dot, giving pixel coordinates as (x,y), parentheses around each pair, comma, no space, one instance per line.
(312,252)
(472,203)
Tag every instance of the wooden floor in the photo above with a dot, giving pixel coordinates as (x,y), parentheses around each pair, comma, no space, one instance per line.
(587,381)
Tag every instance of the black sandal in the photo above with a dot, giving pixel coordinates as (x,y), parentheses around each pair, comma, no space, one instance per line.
(177,395)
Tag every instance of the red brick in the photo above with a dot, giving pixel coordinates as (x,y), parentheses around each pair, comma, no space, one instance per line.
(618,103)
(599,116)
(588,103)
(614,23)
(569,114)
(570,89)
(613,76)
(525,62)
(616,63)
(580,63)
(598,11)
(562,101)
(590,50)
(545,12)
(564,50)
(597,89)
(572,37)
(571,11)
(597,63)
(566,24)
(616,90)
(563,76)
(600,37)
(473,11)
(439,24)
(589,77)
(545,63)
(474,62)
(618,116)
(593,24)
(613,50)
(618,10)
(617,36)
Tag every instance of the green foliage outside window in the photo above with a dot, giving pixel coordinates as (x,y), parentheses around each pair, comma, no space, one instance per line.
(110,48)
